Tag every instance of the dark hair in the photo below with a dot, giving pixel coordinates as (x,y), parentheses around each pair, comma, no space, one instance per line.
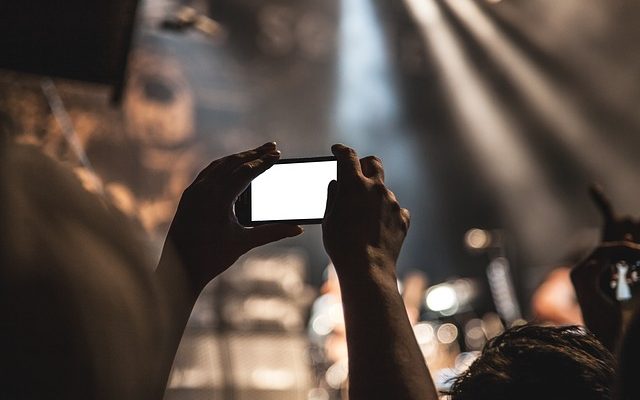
(539,362)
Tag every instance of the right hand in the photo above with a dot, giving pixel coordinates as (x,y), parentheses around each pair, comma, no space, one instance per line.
(364,226)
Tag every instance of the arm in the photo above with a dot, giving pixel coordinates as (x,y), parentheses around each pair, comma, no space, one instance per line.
(205,237)
(363,231)
(604,315)
(628,361)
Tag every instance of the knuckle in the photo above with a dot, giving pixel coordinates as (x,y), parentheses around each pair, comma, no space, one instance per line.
(406,218)
(393,200)
(373,163)
(380,189)
(234,158)
(349,151)
(376,161)
(405,214)
(248,168)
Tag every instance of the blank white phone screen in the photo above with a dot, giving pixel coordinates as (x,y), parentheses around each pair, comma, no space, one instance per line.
(292,191)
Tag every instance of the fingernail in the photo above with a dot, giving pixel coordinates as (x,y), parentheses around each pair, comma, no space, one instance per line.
(267,146)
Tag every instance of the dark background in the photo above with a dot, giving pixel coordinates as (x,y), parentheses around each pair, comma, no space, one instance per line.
(367,73)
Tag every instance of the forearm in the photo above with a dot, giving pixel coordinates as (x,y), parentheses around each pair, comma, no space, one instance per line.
(385,361)
(605,324)
(179,297)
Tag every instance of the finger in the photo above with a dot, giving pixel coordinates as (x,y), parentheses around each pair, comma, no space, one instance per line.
(348,162)
(245,173)
(332,192)
(263,234)
(372,168)
(393,197)
(230,163)
(629,230)
(602,202)
(406,217)
(202,174)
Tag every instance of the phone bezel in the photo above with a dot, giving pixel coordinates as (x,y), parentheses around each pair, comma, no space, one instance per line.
(243,202)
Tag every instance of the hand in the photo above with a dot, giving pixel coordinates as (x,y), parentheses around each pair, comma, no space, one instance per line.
(364,226)
(363,230)
(615,228)
(602,313)
(205,232)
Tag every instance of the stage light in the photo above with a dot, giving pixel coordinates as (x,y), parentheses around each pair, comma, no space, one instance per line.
(426,338)
(477,239)
(447,333)
(451,297)
(322,325)
(424,333)
(474,336)
(442,298)
(337,374)
(502,290)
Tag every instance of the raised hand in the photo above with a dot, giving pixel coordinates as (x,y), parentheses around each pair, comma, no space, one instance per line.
(205,233)
(364,226)
(363,230)
(602,312)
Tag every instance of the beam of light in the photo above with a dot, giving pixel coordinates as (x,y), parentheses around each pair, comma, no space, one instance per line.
(551,103)
(366,93)
(490,132)
(369,116)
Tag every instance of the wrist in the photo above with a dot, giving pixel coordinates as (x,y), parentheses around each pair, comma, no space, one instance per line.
(358,276)
(174,272)
(368,264)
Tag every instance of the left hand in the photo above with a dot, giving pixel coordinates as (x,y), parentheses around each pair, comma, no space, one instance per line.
(205,232)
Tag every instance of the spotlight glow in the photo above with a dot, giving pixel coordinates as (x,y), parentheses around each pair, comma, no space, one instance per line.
(442,298)
(547,98)
(491,132)
(477,239)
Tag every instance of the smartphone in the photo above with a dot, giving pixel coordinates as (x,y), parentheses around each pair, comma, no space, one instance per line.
(291,191)
(620,276)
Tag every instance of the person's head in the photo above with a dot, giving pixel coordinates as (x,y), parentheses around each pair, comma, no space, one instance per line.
(538,362)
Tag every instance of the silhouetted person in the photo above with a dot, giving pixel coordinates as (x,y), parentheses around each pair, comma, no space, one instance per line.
(535,362)
(82,315)
(363,233)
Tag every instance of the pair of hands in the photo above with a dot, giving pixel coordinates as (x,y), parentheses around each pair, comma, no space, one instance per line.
(363,225)
(604,315)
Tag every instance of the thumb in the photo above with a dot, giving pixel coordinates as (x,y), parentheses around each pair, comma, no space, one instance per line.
(332,191)
(263,234)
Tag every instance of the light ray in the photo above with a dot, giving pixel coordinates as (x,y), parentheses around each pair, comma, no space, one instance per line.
(490,132)
(550,102)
